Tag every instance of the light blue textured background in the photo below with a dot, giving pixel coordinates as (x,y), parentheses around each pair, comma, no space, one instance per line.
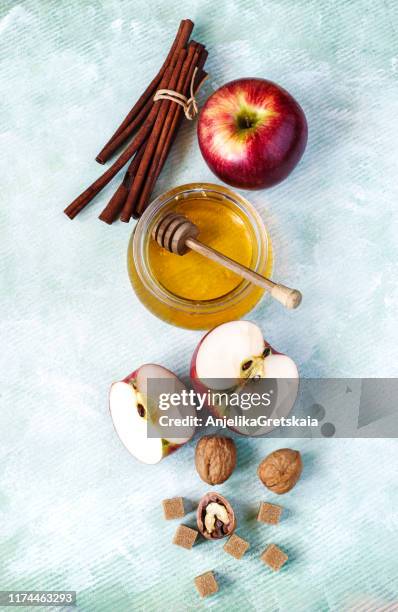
(76,511)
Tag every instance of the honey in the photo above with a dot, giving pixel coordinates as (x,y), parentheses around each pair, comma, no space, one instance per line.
(192,276)
(190,290)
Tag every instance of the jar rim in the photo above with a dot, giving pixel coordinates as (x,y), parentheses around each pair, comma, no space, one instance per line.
(142,233)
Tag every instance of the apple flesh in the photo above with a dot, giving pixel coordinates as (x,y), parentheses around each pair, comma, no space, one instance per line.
(233,357)
(131,407)
(252,133)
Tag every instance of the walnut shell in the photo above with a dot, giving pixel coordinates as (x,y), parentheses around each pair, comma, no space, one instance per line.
(215,459)
(280,470)
(221,529)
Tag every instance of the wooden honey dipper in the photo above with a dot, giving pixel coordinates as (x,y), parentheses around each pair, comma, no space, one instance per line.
(178,235)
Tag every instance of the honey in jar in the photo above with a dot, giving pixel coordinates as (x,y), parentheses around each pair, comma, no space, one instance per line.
(190,290)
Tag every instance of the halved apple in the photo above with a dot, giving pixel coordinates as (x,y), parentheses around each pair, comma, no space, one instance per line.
(134,407)
(235,358)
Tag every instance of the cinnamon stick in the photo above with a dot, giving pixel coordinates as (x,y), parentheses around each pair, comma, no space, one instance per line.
(156,125)
(88,194)
(168,129)
(163,106)
(174,129)
(181,39)
(115,143)
(116,203)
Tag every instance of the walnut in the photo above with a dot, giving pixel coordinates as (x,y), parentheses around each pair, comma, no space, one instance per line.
(215,459)
(280,470)
(215,517)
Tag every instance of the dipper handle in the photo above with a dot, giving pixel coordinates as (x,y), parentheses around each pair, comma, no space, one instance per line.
(177,234)
(290,298)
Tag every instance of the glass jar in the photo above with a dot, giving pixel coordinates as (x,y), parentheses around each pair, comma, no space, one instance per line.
(181,310)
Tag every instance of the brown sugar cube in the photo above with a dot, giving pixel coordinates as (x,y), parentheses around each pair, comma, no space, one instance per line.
(185,536)
(206,584)
(274,557)
(173,508)
(236,546)
(269,513)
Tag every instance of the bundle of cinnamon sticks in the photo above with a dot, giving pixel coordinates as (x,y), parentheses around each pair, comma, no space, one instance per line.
(149,129)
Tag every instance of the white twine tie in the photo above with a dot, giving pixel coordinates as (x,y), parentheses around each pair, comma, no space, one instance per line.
(189,105)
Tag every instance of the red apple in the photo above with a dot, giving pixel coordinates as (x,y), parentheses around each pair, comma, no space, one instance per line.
(131,407)
(233,358)
(252,133)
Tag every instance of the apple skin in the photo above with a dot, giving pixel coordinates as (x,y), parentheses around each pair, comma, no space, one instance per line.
(252,157)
